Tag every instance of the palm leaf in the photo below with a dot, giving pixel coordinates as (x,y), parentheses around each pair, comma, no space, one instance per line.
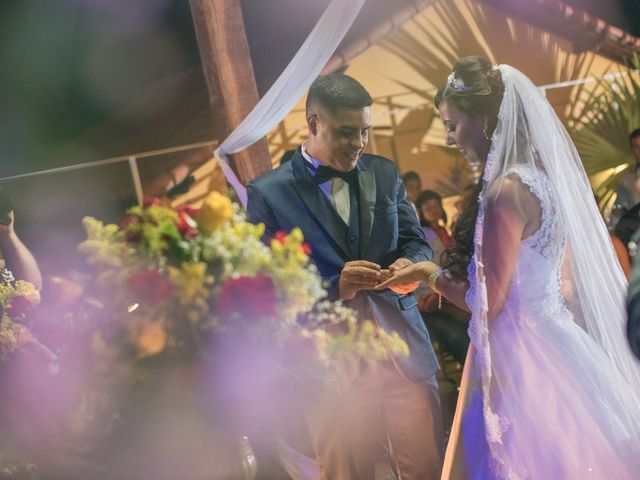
(432,42)
(602,137)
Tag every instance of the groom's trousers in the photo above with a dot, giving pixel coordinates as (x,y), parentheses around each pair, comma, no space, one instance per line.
(380,409)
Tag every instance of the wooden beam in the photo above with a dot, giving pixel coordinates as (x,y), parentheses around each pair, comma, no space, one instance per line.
(583,30)
(228,69)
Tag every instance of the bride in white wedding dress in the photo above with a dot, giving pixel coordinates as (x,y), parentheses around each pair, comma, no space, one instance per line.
(550,388)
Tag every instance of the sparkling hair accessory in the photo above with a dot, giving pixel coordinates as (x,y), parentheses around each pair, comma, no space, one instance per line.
(456,84)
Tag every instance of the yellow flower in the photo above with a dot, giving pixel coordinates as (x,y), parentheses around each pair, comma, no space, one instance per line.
(301,257)
(215,211)
(151,338)
(29,291)
(296,235)
(192,281)
(276,247)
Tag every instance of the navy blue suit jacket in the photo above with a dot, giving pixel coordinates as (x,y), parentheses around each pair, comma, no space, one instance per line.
(288,197)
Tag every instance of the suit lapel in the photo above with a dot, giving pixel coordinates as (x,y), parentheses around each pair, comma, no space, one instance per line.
(318,205)
(367,184)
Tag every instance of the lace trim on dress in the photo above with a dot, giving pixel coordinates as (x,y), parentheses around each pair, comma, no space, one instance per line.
(550,239)
(476,299)
(529,133)
(542,240)
(545,241)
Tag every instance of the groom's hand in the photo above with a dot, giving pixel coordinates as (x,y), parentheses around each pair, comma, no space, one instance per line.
(356,276)
(400,264)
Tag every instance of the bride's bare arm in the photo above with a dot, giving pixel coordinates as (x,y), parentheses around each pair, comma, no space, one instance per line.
(450,288)
(453,290)
(512,213)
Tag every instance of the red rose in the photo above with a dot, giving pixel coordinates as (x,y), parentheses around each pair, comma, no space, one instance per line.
(187,226)
(248,297)
(280,236)
(19,306)
(188,209)
(306,249)
(151,285)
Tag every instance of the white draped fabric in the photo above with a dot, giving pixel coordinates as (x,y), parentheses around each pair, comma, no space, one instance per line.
(292,84)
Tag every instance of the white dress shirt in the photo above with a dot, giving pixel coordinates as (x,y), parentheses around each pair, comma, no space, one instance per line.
(336,189)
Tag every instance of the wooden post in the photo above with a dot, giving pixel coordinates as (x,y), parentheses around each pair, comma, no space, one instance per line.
(394,131)
(228,69)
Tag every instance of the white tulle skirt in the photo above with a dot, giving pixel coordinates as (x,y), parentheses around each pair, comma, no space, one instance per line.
(570,414)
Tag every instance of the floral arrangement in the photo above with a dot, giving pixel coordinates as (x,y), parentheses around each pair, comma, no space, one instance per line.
(17,297)
(169,280)
(187,322)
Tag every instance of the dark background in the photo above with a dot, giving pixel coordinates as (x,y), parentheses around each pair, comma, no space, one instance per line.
(71,65)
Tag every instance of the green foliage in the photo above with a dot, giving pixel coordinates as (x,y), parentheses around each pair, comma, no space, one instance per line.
(601,133)
(436,41)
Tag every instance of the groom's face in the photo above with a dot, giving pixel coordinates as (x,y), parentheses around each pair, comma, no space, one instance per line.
(339,137)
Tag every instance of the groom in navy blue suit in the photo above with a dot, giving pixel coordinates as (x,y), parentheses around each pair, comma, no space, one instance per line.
(354,213)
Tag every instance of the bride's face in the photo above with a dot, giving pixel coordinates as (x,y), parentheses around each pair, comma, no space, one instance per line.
(465,131)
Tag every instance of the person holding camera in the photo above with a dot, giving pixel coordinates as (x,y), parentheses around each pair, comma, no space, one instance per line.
(14,255)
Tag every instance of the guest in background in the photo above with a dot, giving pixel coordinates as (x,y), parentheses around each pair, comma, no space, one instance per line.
(446,323)
(32,366)
(412,184)
(633,302)
(629,183)
(433,219)
(14,255)
(621,236)
(623,255)
(463,198)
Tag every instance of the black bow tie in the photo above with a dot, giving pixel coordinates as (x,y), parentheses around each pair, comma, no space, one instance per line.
(324,174)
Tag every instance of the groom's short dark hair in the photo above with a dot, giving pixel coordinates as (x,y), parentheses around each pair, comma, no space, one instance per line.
(337,90)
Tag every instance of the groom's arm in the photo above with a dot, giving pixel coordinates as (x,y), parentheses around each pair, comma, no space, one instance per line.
(259,211)
(412,243)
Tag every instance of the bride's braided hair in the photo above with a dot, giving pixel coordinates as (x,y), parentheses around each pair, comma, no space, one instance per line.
(474,87)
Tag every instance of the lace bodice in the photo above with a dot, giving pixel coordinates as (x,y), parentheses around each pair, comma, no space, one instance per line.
(548,240)
(535,287)
(536,284)
(537,278)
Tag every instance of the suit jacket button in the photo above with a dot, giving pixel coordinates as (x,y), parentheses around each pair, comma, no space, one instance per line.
(352,239)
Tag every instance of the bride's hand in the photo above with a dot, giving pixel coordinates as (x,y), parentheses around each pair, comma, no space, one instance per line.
(416,272)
